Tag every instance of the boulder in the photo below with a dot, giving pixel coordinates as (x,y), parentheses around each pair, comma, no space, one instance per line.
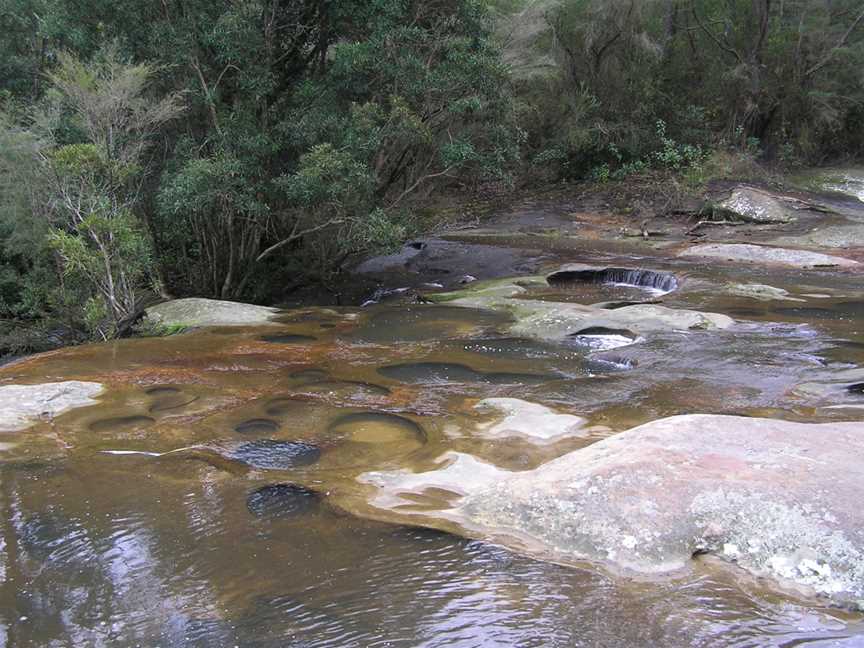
(195,312)
(22,405)
(753,206)
(764,255)
(779,499)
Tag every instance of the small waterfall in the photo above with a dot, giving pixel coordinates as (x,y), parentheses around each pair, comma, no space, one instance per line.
(661,282)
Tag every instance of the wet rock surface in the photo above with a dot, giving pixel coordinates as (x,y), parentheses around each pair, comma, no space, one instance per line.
(556,320)
(529,420)
(121,423)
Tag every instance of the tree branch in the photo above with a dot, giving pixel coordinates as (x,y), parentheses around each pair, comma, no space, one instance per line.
(296,235)
(723,46)
(838,45)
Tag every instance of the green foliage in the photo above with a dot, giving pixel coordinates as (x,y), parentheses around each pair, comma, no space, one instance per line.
(78,199)
(372,106)
(780,80)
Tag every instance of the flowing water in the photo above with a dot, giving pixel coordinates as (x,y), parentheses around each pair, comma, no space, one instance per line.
(210,497)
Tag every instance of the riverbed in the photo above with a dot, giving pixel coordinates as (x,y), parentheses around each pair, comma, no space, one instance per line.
(217,491)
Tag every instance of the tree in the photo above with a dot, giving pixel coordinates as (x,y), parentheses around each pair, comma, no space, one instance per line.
(384,100)
(782,78)
(87,190)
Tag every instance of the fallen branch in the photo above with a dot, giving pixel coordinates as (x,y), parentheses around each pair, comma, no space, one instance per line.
(712,222)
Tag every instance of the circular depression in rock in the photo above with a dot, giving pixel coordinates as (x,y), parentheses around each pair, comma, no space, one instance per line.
(121,423)
(415,323)
(310,375)
(287,338)
(283,406)
(282,500)
(342,389)
(159,392)
(168,398)
(377,427)
(257,426)
(446,372)
(647,279)
(601,338)
(272,454)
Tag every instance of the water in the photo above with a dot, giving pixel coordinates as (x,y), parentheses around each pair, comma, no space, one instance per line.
(210,498)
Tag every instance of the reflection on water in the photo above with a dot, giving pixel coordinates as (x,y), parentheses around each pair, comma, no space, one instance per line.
(210,498)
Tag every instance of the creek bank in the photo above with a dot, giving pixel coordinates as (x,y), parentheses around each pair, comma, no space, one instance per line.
(779,499)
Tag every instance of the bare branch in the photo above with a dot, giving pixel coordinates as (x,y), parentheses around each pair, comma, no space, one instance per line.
(842,42)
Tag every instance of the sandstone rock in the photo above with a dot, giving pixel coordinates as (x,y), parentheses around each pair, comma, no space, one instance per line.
(196,311)
(23,405)
(764,255)
(754,206)
(528,420)
(761,292)
(828,237)
(846,181)
(556,321)
(779,499)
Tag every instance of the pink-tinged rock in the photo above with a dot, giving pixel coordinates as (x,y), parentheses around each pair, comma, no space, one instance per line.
(781,499)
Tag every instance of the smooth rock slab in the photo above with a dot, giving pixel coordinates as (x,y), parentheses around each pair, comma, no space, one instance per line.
(761,254)
(556,321)
(780,499)
(195,311)
(22,405)
(762,292)
(528,420)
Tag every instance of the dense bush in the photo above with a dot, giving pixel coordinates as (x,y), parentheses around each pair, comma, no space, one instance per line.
(309,130)
(781,77)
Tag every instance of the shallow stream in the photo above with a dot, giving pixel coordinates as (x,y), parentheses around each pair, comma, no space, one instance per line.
(211,498)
